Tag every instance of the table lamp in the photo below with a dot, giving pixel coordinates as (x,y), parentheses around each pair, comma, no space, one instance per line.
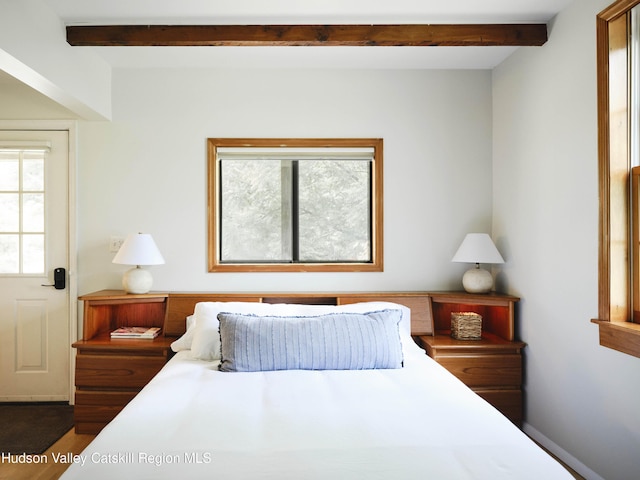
(138,249)
(477,248)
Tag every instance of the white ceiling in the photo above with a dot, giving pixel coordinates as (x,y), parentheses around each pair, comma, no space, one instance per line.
(248,12)
(306,11)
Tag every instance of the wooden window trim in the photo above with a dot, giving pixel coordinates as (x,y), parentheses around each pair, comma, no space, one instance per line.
(635,244)
(376,265)
(615,321)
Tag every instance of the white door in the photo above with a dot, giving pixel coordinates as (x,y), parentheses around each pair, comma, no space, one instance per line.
(34,317)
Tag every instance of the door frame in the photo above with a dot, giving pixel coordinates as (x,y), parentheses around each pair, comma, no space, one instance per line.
(71,127)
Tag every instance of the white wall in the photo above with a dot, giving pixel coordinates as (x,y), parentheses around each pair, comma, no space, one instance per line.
(582,396)
(146,170)
(34,50)
(20,102)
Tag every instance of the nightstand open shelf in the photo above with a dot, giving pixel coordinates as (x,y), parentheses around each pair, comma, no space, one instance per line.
(110,372)
(492,365)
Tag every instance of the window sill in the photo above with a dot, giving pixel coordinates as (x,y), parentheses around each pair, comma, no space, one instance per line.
(621,336)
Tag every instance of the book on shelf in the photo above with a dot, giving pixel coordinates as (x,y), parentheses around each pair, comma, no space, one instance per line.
(136,332)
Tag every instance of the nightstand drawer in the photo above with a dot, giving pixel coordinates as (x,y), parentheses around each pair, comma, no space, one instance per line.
(485,370)
(92,398)
(509,402)
(116,371)
(93,409)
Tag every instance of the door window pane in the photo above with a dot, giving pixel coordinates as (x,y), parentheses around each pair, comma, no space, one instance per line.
(22,212)
(9,212)
(33,212)
(33,253)
(9,253)
(33,173)
(9,171)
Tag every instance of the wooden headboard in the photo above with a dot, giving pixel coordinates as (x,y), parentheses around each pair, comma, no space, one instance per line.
(181,305)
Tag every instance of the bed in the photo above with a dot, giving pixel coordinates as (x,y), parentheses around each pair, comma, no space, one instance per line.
(296,391)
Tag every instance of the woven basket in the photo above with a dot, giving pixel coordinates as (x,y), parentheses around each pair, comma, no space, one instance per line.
(466,326)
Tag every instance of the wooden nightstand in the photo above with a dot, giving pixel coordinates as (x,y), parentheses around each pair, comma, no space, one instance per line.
(491,366)
(110,372)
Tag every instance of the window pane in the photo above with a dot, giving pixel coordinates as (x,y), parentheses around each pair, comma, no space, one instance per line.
(33,172)
(33,254)
(33,212)
(255,223)
(9,212)
(9,254)
(22,212)
(334,211)
(9,171)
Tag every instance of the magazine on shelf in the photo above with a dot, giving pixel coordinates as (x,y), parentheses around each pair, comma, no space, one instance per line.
(136,332)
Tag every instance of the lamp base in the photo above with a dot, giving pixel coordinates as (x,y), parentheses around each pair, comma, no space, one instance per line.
(477,280)
(137,280)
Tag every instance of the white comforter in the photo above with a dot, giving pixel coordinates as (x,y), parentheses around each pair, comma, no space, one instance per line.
(194,422)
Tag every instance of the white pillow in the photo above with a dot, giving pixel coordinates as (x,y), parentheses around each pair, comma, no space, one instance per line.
(184,342)
(284,309)
(205,343)
(206,335)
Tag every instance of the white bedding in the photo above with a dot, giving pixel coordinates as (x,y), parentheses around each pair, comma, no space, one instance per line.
(195,422)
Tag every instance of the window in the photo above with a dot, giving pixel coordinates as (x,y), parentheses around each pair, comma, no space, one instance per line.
(295,205)
(22,207)
(617,151)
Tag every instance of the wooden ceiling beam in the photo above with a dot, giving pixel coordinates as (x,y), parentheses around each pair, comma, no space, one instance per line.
(308,35)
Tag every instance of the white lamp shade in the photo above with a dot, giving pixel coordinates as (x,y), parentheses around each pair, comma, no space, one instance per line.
(477,248)
(139,249)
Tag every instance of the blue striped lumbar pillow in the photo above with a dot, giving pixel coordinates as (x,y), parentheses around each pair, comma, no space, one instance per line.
(339,341)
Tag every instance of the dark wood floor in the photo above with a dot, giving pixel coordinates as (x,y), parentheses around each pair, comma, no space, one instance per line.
(69,443)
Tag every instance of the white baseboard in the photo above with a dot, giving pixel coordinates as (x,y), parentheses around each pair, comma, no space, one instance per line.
(561,453)
(34,398)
